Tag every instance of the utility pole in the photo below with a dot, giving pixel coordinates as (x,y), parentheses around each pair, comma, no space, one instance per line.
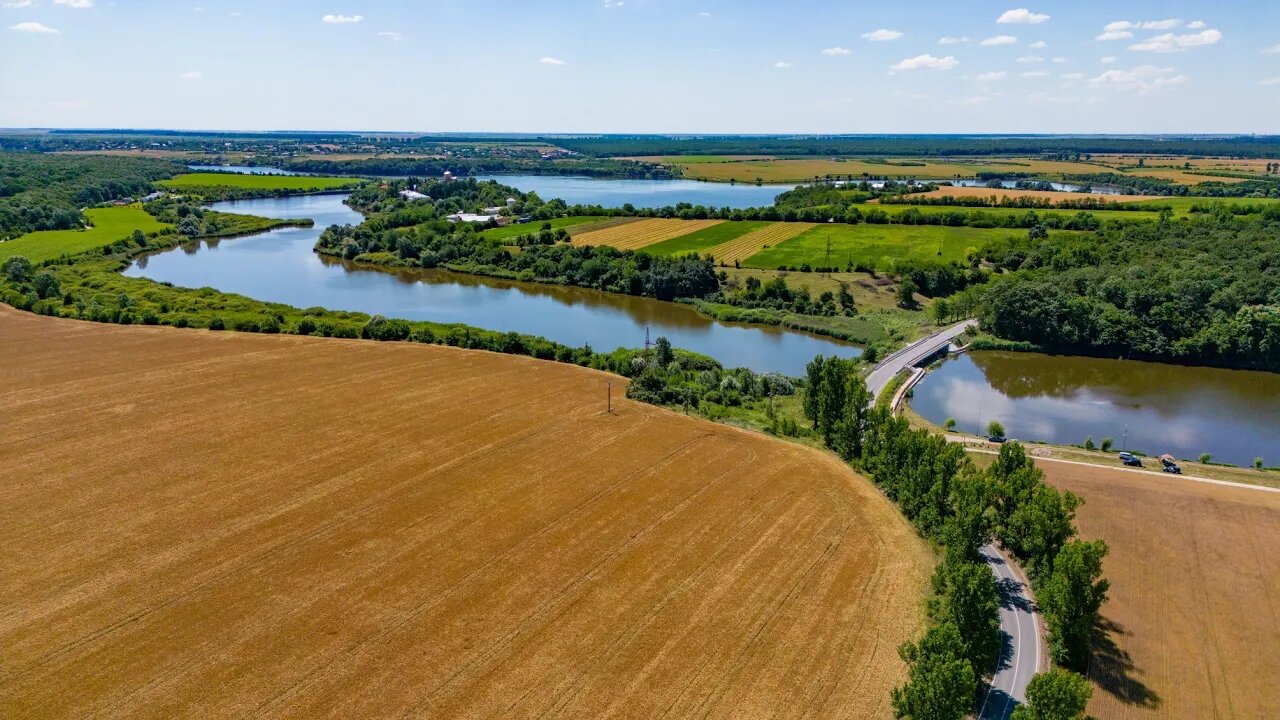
(608,400)
(1125,443)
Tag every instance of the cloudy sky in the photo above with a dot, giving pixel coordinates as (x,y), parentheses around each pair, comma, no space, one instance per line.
(1089,66)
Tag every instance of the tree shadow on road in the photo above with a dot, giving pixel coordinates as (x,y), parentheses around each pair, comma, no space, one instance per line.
(1005,659)
(1113,669)
(1012,596)
(997,705)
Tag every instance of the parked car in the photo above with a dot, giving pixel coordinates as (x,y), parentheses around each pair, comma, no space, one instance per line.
(996,438)
(1130,459)
(1170,464)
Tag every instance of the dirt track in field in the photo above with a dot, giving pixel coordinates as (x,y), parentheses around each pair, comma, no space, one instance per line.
(1193,619)
(201,524)
(642,233)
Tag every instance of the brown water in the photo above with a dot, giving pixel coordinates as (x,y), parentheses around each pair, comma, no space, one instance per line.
(1234,415)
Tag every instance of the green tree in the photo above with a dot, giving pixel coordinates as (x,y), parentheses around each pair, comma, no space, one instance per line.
(995,429)
(1070,598)
(18,269)
(1056,694)
(906,293)
(1205,458)
(138,238)
(973,517)
(814,374)
(1107,442)
(950,424)
(940,682)
(1039,527)
(940,311)
(1257,463)
(851,422)
(46,285)
(663,353)
(966,596)
(1088,443)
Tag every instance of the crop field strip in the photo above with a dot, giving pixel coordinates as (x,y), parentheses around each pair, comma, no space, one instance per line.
(698,242)
(258,182)
(230,525)
(753,242)
(1192,622)
(642,233)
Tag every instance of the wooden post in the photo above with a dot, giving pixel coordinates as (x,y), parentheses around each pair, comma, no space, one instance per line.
(609,398)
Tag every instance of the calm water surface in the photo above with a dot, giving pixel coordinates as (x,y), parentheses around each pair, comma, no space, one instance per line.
(1064,187)
(280,266)
(1232,414)
(246,169)
(609,192)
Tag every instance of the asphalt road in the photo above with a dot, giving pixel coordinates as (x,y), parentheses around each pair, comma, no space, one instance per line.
(910,355)
(1020,655)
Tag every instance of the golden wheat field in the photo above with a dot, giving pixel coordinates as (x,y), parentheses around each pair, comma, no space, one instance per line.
(205,525)
(744,246)
(1192,625)
(642,233)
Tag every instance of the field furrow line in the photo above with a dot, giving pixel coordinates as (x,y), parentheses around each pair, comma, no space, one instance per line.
(743,247)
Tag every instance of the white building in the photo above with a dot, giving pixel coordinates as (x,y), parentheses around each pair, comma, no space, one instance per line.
(412,195)
(473,218)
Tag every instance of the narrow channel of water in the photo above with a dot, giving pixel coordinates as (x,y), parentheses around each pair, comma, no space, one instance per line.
(1234,415)
(280,266)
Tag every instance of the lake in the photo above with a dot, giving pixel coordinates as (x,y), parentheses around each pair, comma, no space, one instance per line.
(1232,414)
(610,192)
(245,169)
(280,266)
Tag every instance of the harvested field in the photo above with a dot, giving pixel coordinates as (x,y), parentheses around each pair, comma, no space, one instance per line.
(745,246)
(202,524)
(642,233)
(1010,192)
(1193,619)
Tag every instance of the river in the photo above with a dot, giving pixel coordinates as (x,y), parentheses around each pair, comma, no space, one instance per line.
(280,266)
(1234,415)
(610,192)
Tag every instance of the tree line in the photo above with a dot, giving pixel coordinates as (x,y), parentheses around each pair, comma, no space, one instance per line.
(962,509)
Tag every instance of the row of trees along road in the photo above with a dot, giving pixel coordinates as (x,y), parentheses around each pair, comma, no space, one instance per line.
(953,503)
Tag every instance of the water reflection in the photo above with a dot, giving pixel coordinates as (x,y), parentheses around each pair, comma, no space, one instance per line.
(280,266)
(1232,414)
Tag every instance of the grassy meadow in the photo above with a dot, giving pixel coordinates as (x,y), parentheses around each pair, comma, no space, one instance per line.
(510,231)
(109,225)
(298,183)
(875,244)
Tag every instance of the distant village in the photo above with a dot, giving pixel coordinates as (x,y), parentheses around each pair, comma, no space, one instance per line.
(485,216)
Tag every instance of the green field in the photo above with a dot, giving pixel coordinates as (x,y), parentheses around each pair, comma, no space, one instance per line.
(877,245)
(108,225)
(1182,205)
(706,238)
(258,182)
(510,231)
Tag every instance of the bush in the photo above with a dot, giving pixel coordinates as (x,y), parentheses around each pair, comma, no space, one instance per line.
(1107,443)
(305,326)
(1257,463)
(995,429)
(1205,458)
(1088,443)
(380,328)
(950,424)
(217,323)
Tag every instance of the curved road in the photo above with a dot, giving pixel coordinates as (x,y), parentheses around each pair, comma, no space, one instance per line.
(1019,627)
(1020,632)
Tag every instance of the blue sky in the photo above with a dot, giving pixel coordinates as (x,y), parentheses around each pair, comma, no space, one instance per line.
(1087,66)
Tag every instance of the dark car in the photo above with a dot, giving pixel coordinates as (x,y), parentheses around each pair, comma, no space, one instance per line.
(1130,459)
(996,438)
(1173,468)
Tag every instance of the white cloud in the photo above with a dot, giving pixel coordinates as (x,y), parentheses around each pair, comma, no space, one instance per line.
(18,3)
(992,76)
(1168,24)
(1273,50)
(1108,59)
(1270,81)
(882,35)
(1021,16)
(976,100)
(1143,79)
(1114,35)
(1196,25)
(1073,76)
(191,75)
(342,19)
(704,14)
(1119,25)
(999,40)
(1169,42)
(1036,74)
(1059,60)
(614,3)
(33,27)
(551,61)
(1030,59)
(1038,45)
(949,40)
(782,64)
(78,4)
(925,62)
(391,35)
(836,51)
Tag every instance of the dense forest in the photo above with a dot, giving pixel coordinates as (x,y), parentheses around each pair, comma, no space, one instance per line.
(926,145)
(46,192)
(1202,291)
